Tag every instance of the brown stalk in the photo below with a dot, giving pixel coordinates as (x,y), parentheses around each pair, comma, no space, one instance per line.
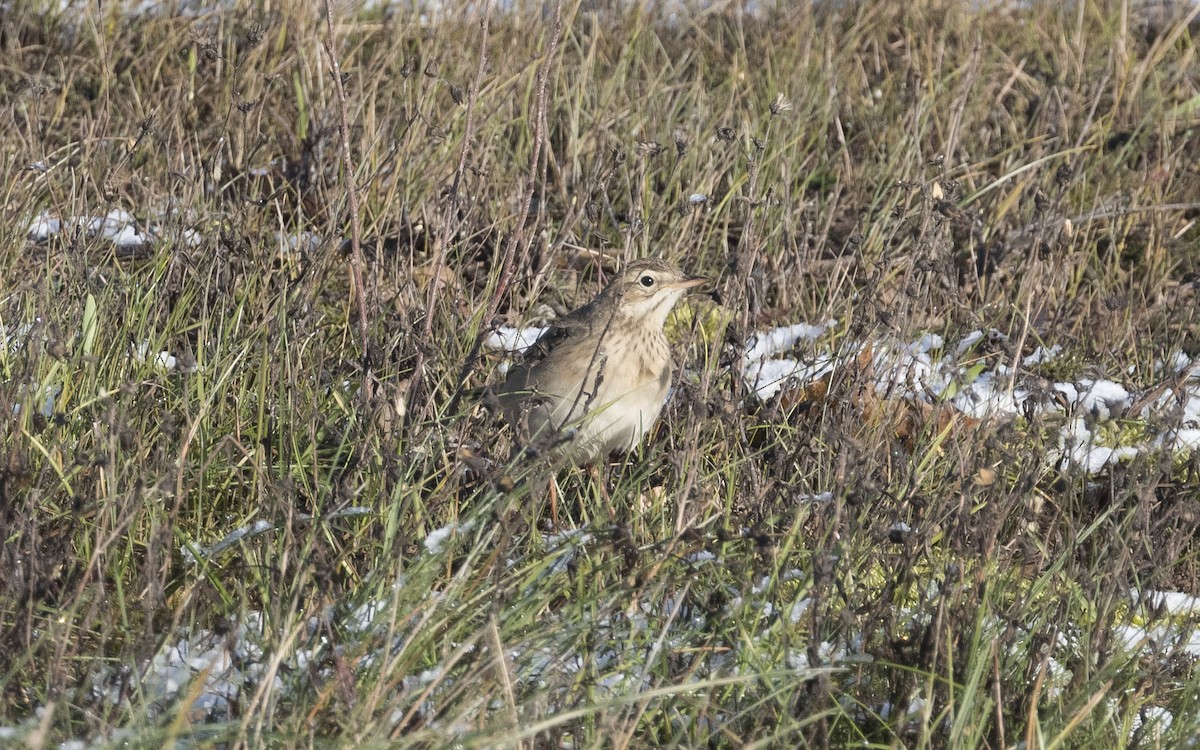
(738,289)
(357,289)
(439,258)
(517,239)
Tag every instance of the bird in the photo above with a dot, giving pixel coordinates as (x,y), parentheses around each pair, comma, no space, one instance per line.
(595,382)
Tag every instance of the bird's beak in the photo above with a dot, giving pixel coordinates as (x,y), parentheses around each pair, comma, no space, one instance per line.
(690,282)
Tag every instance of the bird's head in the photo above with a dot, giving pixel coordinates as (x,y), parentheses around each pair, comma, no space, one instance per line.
(647,290)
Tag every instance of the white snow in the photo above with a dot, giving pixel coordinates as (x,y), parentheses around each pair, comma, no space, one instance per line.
(1187,439)
(118,227)
(303,242)
(436,540)
(929,369)
(1041,355)
(819,497)
(765,343)
(164,361)
(1175,603)
(509,339)
(1101,397)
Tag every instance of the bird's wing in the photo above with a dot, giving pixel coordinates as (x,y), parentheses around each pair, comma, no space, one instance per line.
(565,332)
(555,336)
(570,339)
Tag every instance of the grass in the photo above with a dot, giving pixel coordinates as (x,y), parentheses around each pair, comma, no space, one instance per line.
(794,572)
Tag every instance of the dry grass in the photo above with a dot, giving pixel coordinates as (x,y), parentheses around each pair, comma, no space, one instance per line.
(901,168)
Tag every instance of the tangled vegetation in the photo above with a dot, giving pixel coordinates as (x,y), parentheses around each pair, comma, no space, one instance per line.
(252,493)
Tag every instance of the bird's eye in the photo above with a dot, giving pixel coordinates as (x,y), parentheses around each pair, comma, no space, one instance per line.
(647,281)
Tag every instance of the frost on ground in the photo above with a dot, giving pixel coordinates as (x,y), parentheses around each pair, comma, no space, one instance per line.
(237,664)
(435,542)
(207,674)
(117,227)
(509,339)
(124,232)
(194,554)
(933,372)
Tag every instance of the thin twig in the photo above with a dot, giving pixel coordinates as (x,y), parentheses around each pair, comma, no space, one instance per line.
(517,238)
(451,211)
(357,289)
(746,258)
(504,676)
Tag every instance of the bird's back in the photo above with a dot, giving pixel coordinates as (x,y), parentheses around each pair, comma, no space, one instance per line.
(589,377)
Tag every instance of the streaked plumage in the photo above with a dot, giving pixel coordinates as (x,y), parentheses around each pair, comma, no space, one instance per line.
(595,382)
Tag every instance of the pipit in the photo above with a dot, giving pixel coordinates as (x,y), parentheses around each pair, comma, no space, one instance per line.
(596,380)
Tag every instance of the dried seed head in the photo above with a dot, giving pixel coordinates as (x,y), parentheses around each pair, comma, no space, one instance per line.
(725,134)
(681,141)
(208,48)
(1041,202)
(1062,176)
(255,34)
(456,93)
(650,148)
(947,209)
(780,105)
